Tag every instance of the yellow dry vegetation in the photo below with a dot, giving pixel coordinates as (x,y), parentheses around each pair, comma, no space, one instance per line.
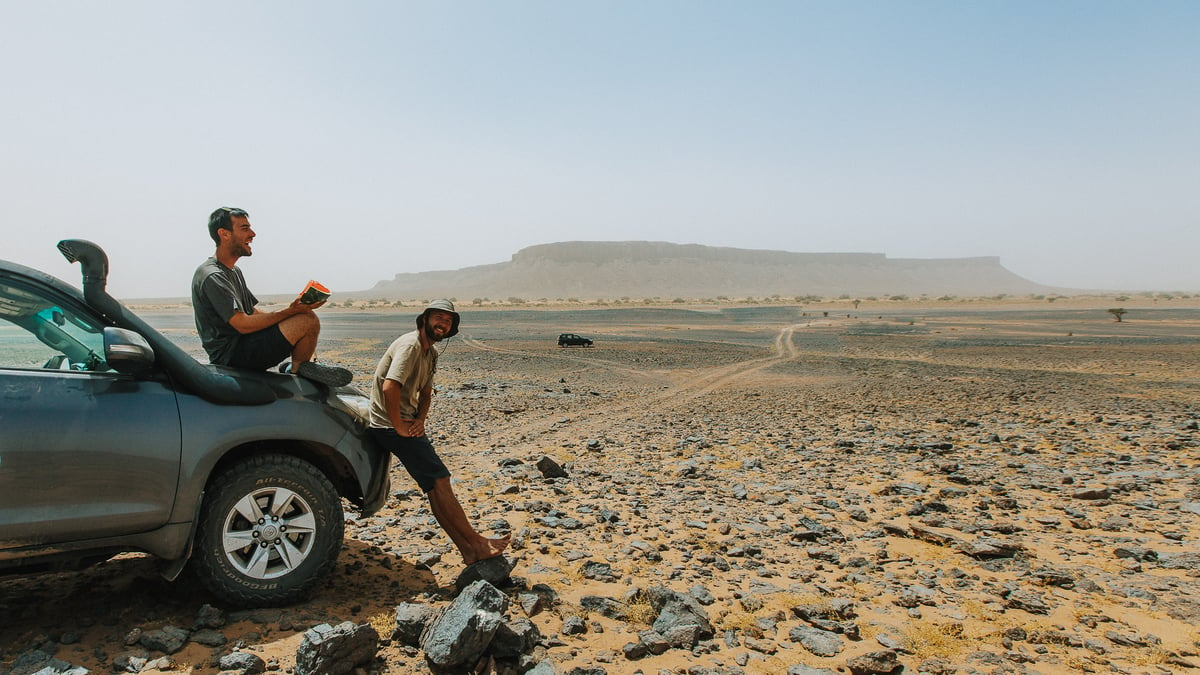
(942,640)
(641,611)
(384,623)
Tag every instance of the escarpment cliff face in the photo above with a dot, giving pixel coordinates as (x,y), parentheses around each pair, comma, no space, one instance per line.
(643,269)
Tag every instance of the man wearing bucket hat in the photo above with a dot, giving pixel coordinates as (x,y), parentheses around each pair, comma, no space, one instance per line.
(401,393)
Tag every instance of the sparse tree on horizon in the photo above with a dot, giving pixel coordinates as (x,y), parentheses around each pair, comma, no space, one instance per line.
(1117,313)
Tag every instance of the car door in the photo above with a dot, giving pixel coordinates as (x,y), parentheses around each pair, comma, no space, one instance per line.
(85,452)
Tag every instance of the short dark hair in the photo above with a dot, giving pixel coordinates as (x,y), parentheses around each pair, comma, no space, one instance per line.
(222,219)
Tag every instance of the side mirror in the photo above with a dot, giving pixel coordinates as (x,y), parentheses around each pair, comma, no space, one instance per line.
(126,351)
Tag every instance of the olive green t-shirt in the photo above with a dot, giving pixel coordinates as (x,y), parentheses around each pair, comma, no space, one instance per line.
(404,363)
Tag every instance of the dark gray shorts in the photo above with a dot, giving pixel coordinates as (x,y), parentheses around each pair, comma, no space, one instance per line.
(415,453)
(260,350)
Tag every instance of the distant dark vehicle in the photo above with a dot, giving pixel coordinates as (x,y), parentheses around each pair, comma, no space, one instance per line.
(573,340)
(114,439)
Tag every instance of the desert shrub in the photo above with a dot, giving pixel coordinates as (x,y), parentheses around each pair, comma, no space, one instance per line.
(384,623)
(928,640)
(641,611)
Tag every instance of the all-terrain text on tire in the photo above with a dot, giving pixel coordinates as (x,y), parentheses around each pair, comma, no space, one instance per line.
(270,529)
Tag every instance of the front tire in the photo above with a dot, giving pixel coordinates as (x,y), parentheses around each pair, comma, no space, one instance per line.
(270,529)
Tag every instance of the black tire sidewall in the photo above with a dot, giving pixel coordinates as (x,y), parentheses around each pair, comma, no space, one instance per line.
(244,478)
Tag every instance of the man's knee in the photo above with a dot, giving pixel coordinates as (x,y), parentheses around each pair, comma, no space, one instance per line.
(440,489)
(300,326)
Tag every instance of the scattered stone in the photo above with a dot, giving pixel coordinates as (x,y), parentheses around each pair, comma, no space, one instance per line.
(458,636)
(819,642)
(493,570)
(167,640)
(245,663)
(335,650)
(411,620)
(884,661)
(550,468)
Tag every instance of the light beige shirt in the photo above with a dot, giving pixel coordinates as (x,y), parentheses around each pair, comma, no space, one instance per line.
(404,363)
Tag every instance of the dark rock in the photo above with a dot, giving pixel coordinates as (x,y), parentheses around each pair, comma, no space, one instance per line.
(167,640)
(131,662)
(1053,577)
(334,650)
(209,617)
(411,620)
(573,625)
(494,571)
(984,548)
(934,537)
(244,663)
(550,468)
(634,651)
(1092,493)
(676,609)
(513,638)
(819,642)
(607,607)
(702,595)
(1132,639)
(1028,601)
(459,635)
(684,636)
(884,661)
(598,571)
(38,661)
(1136,553)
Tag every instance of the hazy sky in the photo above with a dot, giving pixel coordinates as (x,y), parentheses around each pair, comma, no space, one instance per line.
(370,138)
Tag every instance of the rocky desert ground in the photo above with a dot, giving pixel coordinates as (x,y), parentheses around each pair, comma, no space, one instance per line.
(891,487)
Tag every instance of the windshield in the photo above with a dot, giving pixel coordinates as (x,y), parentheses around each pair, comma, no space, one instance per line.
(37,332)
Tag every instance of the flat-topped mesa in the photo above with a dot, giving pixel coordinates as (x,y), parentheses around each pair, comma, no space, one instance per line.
(657,251)
(643,269)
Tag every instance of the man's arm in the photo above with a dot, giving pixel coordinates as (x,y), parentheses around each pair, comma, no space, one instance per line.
(393,392)
(252,323)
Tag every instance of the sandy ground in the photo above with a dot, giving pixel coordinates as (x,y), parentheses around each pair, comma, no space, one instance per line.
(705,445)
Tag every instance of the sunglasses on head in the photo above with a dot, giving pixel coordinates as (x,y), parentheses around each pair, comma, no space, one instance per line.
(232,211)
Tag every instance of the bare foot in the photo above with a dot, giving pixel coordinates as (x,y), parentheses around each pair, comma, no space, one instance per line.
(488,548)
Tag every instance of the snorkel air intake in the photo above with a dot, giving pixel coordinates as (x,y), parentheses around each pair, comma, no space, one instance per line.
(202,380)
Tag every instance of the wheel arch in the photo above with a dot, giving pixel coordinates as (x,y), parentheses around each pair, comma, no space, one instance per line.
(325,458)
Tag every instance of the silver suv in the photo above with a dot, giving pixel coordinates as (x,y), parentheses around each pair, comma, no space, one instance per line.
(113,439)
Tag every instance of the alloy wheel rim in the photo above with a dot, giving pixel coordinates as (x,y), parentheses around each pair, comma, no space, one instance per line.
(269,533)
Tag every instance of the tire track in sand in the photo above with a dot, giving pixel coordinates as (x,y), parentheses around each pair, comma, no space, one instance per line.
(684,388)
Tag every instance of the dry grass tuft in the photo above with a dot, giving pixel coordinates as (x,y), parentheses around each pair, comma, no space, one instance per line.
(739,621)
(384,623)
(928,640)
(820,604)
(641,611)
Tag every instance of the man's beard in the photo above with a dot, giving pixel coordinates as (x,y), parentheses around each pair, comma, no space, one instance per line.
(431,335)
